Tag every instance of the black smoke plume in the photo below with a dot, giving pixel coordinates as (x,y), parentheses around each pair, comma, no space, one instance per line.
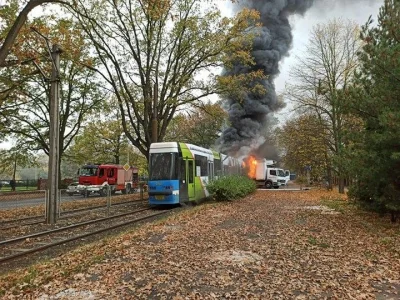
(250,116)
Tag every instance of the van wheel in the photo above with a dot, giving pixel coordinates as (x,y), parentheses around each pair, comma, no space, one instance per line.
(268,185)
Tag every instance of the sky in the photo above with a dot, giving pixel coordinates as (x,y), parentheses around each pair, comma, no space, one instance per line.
(322,11)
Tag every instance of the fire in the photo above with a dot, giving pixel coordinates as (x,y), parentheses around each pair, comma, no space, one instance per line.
(251,164)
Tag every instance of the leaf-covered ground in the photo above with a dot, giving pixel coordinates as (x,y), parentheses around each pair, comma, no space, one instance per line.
(271,245)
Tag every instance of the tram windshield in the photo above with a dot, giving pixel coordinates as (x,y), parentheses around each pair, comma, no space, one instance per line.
(163,166)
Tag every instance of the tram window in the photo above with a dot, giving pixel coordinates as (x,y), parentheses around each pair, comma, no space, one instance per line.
(202,162)
(182,171)
(217,167)
(163,166)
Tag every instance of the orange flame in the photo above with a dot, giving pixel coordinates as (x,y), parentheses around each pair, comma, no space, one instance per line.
(251,164)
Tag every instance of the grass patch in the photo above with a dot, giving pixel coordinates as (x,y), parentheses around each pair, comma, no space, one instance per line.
(387,241)
(336,204)
(324,245)
(369,255)
(31,276)
(313,241)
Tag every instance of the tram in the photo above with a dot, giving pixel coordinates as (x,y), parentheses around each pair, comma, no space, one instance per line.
(179,172)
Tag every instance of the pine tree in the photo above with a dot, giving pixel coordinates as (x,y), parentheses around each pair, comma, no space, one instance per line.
(376,150)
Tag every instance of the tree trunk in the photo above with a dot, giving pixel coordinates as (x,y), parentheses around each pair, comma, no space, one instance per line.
(15,167)
(329,187)
(341,184)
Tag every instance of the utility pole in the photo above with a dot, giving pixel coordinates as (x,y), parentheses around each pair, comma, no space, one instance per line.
(52,201)
(54,150)
(154,121)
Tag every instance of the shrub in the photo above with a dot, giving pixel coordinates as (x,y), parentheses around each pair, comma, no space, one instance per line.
(301,180)
(231,187)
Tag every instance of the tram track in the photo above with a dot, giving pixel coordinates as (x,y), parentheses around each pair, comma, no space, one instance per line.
(22,246)
(34,220)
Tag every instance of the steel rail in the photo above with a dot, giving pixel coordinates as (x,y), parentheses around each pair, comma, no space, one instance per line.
(64,215)
(33,235)
(44,247)
(98,207)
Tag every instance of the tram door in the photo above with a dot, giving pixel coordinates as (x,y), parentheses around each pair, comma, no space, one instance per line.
(186,180)
(183,182)
(190,178)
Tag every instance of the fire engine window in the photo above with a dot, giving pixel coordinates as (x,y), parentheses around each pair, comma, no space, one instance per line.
(272,172)
(111,173)
(89,171)
(101,172)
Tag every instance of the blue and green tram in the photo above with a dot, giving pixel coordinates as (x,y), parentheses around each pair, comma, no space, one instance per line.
(180,172)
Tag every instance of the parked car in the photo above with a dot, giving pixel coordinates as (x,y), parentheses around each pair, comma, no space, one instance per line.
(73,189)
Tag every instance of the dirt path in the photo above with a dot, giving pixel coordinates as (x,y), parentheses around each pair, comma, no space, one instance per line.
(271,245)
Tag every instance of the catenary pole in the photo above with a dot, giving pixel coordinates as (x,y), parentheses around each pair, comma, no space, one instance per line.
(154,122)
(52,201)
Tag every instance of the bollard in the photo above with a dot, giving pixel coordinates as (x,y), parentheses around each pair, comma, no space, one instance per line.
(141,185)
(59,204)
(108,200)
(46,199)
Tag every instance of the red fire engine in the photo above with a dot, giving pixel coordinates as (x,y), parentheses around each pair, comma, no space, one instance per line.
(108,177)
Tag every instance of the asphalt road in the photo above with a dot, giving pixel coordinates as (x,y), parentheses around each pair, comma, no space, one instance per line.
(10,204)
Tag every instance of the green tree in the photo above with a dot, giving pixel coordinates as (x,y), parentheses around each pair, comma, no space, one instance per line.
(104,141)
(303,142)
(200,127)
(376,148)
(28,106)
(155,54)
(321,82)
(16,157)
(100,142)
